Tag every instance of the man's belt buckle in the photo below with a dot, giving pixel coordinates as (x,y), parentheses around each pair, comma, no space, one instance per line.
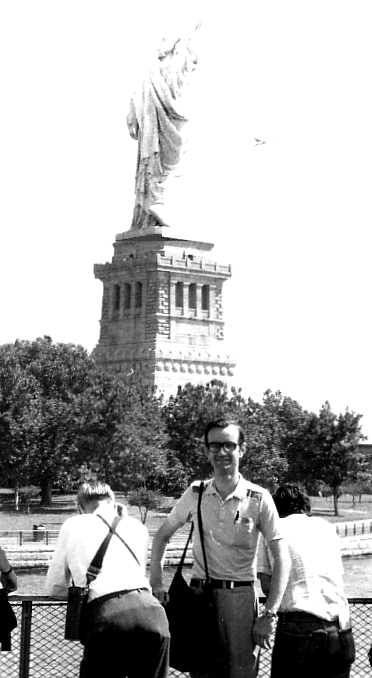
(228,583)
(220,583)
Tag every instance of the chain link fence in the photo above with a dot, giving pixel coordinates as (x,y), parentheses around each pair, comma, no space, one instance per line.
(39,650)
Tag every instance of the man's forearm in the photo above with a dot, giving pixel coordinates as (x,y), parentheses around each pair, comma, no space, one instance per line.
(158,549)
(279,581)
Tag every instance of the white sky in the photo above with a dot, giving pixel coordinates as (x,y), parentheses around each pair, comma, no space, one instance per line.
(293,217)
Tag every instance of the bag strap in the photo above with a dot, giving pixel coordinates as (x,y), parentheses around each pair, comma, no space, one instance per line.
(182,560)
(96,564)
(112,530)
(201,534)
(200,526)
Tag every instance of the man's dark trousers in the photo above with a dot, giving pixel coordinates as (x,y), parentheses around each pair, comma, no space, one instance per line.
(127,636)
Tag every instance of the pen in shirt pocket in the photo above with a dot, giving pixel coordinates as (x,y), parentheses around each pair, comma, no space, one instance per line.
(236,519)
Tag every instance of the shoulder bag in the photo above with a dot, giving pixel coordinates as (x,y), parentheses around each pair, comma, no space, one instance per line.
(190,613)
(77,598)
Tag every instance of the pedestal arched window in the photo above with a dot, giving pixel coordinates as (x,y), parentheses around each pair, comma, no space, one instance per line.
(192,296)
(127,296)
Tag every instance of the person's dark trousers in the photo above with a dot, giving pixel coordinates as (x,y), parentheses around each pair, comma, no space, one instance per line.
(127,636)
(303,648)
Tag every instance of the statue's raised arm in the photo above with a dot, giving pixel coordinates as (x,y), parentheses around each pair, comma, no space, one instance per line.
(157,119)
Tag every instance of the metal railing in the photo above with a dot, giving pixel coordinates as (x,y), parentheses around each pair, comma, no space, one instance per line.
(49,536)
(353,528)
(39,650)
(22,537)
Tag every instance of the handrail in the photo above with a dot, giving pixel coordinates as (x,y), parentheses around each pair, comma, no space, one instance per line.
(39,648)
(19,597)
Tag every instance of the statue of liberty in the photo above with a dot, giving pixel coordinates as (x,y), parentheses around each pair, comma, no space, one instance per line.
(157,119)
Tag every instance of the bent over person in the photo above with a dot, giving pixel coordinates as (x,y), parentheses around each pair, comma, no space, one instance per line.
(313,636)
(234,512)
(127,631)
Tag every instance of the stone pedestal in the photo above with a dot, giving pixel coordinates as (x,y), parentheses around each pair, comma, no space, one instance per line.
(162,313)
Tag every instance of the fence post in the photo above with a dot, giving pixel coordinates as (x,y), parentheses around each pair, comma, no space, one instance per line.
(20,538)
(24,659)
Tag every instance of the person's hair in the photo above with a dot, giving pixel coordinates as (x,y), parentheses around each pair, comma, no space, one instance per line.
(94,491)
(221,422)
(290,498)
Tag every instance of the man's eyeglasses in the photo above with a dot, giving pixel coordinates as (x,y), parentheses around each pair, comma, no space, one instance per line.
(216,447)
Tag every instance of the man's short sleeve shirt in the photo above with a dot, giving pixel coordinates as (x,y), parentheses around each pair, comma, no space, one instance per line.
(231,527)
(315,579)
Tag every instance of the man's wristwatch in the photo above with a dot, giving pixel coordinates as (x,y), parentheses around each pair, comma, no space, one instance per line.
(269,614)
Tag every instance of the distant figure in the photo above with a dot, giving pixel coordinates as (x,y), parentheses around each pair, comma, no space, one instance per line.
(313,635)
(157,119)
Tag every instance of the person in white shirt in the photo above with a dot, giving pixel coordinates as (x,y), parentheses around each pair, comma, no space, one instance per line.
(127,630)
(313,635)
(234,513)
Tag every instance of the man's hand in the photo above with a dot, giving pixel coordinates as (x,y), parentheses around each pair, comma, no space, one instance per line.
(262,630)
(161,595)
(9,581)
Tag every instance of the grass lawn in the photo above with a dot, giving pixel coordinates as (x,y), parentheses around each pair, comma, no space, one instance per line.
(323,506)
(63,507)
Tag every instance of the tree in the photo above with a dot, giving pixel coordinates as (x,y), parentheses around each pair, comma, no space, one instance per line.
(40,385)
(186,415)
(265,462)
(125,437)
(145,500)
(334,457)
(19,397)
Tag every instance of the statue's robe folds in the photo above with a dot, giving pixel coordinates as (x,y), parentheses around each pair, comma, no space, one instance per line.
(156,118)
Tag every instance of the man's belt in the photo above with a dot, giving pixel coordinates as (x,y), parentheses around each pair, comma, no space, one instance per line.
(302,616)
(220,583)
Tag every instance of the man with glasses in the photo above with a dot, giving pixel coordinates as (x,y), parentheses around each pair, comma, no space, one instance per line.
(234,513)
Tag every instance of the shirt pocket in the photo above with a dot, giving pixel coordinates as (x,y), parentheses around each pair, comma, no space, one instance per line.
(243,529)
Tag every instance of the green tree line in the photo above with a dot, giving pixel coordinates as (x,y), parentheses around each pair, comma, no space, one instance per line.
(63,419)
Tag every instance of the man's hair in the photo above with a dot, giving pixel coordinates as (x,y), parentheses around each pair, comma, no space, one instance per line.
(290,498)
(94,491)
(221,422)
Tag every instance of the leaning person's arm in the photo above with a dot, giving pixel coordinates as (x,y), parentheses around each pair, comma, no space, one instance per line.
(58,576)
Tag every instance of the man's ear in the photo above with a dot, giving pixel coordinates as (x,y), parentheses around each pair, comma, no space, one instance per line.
(242,449)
